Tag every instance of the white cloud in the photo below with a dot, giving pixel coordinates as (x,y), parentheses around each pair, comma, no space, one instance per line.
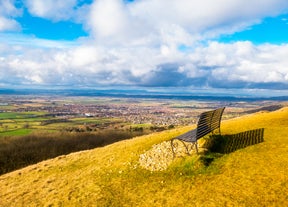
(8,24)
(51,9)
(8,8)
(108,18)
(111,23)
(168,24)
(213,65)
(247,62)
(7,12)
(206,16)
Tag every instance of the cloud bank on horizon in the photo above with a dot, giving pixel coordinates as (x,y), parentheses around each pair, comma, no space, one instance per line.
(179,43)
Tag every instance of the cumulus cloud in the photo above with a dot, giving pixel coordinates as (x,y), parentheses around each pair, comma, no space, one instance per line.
(108,18)
(195,19)
(111,23)
(249,63)
(241,64)
(8,24)
(51,9)
(7,12)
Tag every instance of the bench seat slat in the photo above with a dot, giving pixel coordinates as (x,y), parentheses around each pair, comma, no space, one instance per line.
(189,136)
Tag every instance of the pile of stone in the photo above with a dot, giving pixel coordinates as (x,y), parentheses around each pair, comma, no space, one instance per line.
(160,156)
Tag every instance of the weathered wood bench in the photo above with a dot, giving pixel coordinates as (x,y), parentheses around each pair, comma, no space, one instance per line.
(208,122)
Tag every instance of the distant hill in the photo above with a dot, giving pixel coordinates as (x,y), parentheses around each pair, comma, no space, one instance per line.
(111,175)
(143,93)
(265,108)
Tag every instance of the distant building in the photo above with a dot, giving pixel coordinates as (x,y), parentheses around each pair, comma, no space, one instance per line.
(88,115)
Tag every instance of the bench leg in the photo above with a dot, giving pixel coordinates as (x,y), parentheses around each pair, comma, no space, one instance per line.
(194,144)
(173,146)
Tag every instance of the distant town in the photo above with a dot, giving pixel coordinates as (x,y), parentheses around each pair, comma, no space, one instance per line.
(117,111)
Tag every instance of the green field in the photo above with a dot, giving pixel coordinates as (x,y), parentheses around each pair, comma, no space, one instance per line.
(19,115)
(23,123)
(17,132)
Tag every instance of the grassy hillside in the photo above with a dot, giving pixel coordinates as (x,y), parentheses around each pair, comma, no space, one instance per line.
(111,176)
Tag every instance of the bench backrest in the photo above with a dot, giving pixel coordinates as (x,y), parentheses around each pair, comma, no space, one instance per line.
(208,122)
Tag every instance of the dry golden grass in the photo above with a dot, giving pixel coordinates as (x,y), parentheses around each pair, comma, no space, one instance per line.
(110,176)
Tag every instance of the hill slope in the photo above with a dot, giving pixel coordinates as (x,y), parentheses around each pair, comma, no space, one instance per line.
(111,176)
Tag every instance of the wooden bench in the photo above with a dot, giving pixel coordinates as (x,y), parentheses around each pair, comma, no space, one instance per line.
(208,122)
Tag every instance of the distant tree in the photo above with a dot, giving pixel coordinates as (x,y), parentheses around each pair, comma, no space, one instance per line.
(26,125)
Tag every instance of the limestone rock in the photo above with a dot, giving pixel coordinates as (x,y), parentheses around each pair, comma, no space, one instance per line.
(160,156)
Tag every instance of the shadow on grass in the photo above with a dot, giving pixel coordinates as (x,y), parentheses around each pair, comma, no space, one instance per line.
(217,145)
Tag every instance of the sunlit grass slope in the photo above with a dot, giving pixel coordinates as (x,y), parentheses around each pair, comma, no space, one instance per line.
(110,176)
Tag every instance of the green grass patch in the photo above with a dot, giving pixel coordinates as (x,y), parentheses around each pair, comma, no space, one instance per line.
(10,115)
(17,132)
(20,115)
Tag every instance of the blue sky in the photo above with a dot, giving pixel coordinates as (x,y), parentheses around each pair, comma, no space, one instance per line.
(273,30)
(226,44)
(46,29)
